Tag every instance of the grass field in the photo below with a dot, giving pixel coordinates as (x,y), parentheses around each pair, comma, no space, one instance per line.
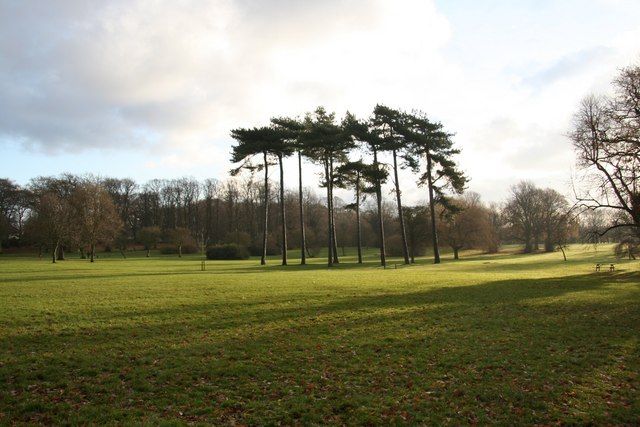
(489,339)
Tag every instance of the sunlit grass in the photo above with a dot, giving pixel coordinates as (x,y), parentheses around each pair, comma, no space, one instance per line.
(505,338)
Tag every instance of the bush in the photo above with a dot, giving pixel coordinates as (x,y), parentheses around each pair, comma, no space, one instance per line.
(227,251)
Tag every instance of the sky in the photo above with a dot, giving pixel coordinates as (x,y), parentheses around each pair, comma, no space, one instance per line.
(151,89)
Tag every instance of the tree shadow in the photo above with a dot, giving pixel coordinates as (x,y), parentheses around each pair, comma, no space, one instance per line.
(435,353)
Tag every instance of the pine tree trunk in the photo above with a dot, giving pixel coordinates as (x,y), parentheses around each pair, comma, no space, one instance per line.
(329,216)
(403,233)
(303,239)
(333,218)
(263,258)
(283,215)
(358,218)
(432,208)
(383,258)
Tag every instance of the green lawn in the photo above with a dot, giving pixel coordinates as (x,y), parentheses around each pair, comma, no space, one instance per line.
(488,339)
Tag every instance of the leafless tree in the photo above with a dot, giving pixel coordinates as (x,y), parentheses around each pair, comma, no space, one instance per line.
(606,139)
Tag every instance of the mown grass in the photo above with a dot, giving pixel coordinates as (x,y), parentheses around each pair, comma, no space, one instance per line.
(490,339)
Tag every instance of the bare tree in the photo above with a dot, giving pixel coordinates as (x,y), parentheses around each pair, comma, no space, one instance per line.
(606,139)
(149,237)
(180,236)
(465,223)
(522,213)
(94,215)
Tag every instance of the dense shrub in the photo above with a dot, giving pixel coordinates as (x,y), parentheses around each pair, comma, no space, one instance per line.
(227,251)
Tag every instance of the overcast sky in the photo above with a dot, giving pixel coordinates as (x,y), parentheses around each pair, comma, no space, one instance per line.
(150,88)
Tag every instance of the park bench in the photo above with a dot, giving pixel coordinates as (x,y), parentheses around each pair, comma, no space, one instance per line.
(612,267)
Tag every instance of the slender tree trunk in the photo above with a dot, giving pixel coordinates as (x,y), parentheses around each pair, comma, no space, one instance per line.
(55,252)
(358,217)
(329,215)
(383,258)
(61,253)
(148,252)
(432,208)
(93,252)
(263,258)
(303,239)
(180,250)
(455,253)
(283,215)
(336,260)
(403,233)
(564,255)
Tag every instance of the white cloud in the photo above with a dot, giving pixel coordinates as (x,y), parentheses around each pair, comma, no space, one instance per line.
(171,78)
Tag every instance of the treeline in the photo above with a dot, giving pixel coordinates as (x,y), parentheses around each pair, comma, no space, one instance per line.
(78,213)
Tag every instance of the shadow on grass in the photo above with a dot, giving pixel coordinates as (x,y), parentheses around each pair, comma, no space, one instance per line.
(481,349)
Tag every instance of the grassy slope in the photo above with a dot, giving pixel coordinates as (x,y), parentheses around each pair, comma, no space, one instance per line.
(501,338)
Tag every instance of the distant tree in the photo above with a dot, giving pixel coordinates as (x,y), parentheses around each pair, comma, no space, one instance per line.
(53,211)
(493,232)
(123,193)
(376,175)
(522,212)
(606,139)
(327,143)
(554,214)
(180,236)
(465,223)
(356,175)
(94,215)
(50,224)
(430,142)
(292,131)
(149,237)
(628,247)
(418,222)
(253,142)
(9,196)
(288,132)
(389,125)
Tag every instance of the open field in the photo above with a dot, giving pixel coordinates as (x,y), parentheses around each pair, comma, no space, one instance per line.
(489,339)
